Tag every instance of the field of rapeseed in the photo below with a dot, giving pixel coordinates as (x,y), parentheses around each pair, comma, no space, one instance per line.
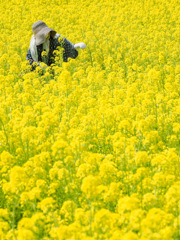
(90,150)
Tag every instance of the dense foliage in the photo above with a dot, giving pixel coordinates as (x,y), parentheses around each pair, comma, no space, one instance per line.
(89,149)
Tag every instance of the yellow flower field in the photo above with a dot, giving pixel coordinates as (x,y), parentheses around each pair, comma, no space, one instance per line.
(90,149)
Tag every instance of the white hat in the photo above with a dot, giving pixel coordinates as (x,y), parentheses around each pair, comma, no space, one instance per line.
(40,31)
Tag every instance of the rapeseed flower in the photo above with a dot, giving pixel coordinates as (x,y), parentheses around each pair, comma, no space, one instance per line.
(89,148)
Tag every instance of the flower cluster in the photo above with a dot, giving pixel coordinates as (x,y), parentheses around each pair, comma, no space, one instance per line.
(89,149)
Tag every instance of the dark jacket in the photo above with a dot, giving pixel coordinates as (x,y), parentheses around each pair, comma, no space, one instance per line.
(68,50)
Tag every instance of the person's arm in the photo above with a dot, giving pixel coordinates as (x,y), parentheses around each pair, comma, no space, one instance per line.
(30,59)
(69,50)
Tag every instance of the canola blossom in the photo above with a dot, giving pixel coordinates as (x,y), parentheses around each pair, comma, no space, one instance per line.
(89,149)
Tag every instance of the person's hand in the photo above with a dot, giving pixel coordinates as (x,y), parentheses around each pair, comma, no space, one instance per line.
(80,45)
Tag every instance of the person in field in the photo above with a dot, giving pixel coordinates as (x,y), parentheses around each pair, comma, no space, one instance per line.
(47,39)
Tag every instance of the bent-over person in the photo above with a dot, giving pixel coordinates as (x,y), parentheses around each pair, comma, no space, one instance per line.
(47,39)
